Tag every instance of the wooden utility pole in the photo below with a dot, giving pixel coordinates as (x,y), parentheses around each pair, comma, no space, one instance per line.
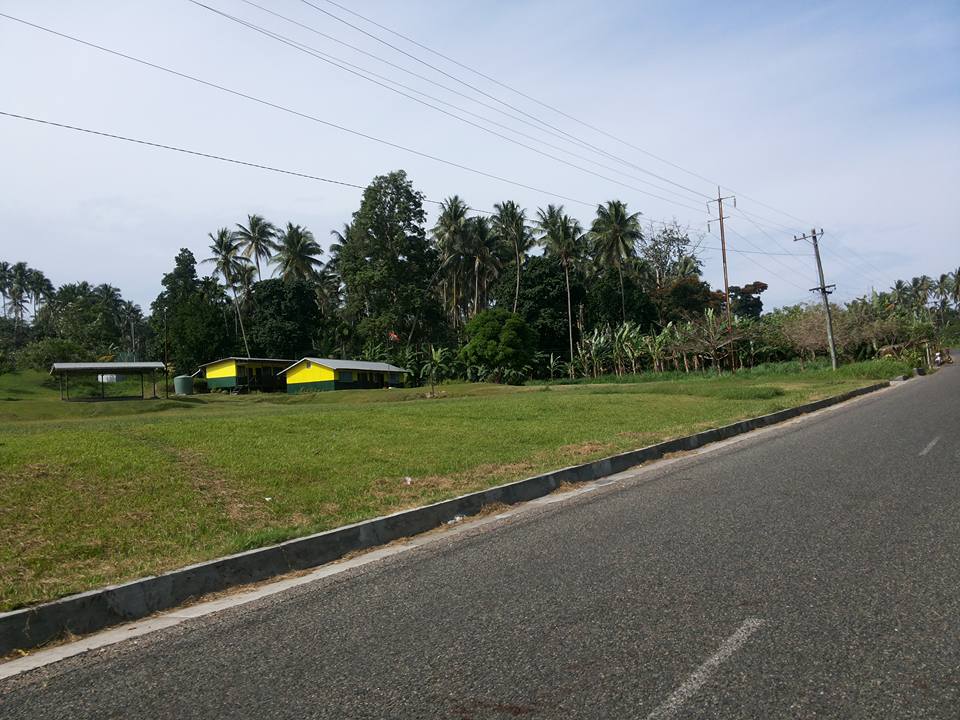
(723,249)
(824,291)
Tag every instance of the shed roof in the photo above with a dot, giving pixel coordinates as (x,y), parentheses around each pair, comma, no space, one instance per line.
(350,365)
(278,361)
(104,367)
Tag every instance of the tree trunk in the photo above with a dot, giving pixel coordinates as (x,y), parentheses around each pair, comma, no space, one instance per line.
(243,332)
(516,292)
(476,286)
(623,301)
(566,274)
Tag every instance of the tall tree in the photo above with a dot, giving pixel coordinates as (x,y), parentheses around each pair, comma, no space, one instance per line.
(482,249)
(40,289)
(187,317)
(5,280)
(19,292)
(228,261)
(615,233)
(132,316)
(388,267)
(562,238)
(510,226)
(256,239)
(450,234)
(298,254)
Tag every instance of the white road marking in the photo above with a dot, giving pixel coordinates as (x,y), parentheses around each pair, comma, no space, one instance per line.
(929,447)
(683,693)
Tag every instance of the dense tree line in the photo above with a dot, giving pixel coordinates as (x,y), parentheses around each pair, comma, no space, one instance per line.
(500,296)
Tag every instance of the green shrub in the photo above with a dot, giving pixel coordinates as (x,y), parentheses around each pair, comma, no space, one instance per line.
(502,343)
(40,355)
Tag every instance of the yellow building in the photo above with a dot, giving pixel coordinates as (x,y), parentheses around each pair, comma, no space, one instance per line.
(312,374)
(245,373)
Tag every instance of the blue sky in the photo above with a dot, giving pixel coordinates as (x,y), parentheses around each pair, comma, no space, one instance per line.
(840,115)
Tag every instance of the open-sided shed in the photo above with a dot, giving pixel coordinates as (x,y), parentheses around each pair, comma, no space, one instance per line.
(65,370)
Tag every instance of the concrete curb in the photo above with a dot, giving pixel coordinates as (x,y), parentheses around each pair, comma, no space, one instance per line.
(90,611)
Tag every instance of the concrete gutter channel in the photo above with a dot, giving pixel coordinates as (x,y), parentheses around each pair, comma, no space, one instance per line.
(97,609)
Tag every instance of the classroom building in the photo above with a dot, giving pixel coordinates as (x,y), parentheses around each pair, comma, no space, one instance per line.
(243,373)
(312,374)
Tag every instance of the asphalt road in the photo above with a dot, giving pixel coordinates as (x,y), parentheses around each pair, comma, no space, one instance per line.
(812,571)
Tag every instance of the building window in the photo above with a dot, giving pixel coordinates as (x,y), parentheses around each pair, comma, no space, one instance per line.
(346,376)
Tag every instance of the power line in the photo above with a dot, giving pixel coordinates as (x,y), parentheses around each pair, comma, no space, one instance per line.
(484,93)
(208,156)
(561,135)
(528,97)
(306,116)
(250,164)
(833,251)
(858,255)
(337,63)
(764,267)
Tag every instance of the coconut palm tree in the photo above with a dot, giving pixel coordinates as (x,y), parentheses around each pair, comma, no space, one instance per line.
(244,278)
(40,288)
(482,249)
(899,295)
(19,292)
(562,238)
(5,280)
(919,292)
(955,288)
(450,234)
(615,234)
(341,238)
(132,315)
(298,254)
(256,240)
(942,291)
(509,225)
(228,261)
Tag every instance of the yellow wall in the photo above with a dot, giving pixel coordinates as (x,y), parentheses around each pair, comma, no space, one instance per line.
(303,374)
(222,369)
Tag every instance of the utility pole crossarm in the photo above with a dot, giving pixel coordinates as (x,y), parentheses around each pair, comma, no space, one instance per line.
(723,248)
(824,291)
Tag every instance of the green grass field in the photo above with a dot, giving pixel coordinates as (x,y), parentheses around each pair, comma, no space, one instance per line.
(93,493)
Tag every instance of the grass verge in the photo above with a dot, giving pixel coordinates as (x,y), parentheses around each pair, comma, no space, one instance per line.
(98,493)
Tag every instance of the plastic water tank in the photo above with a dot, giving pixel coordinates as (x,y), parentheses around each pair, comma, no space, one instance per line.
(183,385)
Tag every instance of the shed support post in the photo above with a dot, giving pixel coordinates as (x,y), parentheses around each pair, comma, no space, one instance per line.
(141,386)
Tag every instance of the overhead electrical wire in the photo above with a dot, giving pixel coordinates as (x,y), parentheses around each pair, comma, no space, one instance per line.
(300,114)
(257,165)
(537,126)
(297,113)
(488,95)
(524,95)
(758,263)
(321,56)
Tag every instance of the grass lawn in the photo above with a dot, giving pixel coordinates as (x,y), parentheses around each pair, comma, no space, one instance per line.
(93,493)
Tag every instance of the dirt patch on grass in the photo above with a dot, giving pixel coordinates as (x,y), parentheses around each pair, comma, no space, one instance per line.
(645,438)
(584,449)
(210,483)
(397,494)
